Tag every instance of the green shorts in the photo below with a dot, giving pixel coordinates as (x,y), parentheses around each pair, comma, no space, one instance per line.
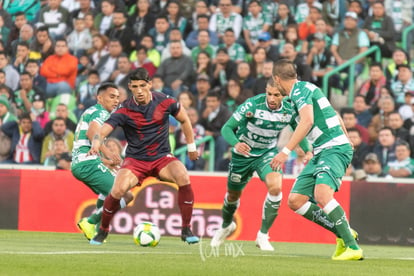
(241,169)
(95,175)
(327,167)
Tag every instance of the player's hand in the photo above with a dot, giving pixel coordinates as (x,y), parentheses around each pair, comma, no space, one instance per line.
(308,156)
(242,148)
(193,155)
(114,158)
(94,148)
(278,161)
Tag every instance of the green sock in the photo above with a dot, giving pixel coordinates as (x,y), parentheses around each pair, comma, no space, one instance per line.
(337,214)
(97,214)
(314,213)
(270,208)
(228,210)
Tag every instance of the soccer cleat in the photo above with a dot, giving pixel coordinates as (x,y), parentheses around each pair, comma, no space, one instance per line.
(221,234)
(262,241)
(340,244)
(350,255)
(99,238)
(188,236)
(88,229)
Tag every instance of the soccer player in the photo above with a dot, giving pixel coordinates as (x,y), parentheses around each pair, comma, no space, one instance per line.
(95,171)
(333,152)
(253,131)
(144,119)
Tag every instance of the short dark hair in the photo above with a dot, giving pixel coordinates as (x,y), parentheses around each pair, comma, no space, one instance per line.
(139,74)
(203,16)
(24,44)
(347,110)
(93,72)
(213,94)
(354,129)
(25,115)
(104,86)
(376,64)
(285,69)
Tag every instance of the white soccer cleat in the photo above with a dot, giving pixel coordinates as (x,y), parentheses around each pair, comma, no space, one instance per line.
(221,235)
(262,241)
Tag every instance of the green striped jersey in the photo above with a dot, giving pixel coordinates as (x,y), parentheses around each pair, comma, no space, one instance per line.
(260,126)
(326,130)
(82,145)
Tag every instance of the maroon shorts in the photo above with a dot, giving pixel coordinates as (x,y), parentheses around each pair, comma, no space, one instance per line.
(143,169)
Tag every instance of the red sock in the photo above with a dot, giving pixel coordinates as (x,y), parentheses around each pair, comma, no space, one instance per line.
(110,207)
(185,202)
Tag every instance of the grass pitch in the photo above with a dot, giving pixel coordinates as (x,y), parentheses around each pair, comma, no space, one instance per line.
(41,253)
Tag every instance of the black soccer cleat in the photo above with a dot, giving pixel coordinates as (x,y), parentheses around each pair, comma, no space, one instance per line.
(100,237)
(188,236)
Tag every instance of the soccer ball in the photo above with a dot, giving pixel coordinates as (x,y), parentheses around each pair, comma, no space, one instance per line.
(147,234)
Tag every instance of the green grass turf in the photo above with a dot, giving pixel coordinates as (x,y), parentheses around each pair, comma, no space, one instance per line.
(41,253)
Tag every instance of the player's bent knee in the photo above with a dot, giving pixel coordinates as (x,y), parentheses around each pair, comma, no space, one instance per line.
(233,195)
(274,190)
(295,202)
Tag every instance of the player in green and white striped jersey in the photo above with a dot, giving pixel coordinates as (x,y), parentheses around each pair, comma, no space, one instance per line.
(96,172)
(253,131)
(322,176)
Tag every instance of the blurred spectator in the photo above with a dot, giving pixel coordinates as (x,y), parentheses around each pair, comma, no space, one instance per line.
(302,9)
(24,96)
(321,31)
(89,23)
(319,59)
(304,71)
(86,94)
(38,111)
(244,75)
(225,18)
(19,20)
(63,112)
(362,111)
(42,45)
(199,133)
(153,55)
(265,42)
(30,8)
(386,107)
(405,109)
(404,82)
(254,23)
(259,85)
(361,149)
(385,148)
(4,30)
(204,64)
(235,94)
(371,89)
(141,20)
(203,45)
(396,123)
(55,17)
(291,36)
(201,9)
(356,7)
(380,29)
(235,51)
(103,20)
(348,43)
(308,26)
(61,157)
(85,7)
(21,57)
(12,76)
(403,165)
(160,33)
(25,35)
(121,74)
(282,20)
(399,56)
(224,68)
(177,70)
(59,130)
(121,31)
(99,48)
(372,166)
(202,22)
(5,114)
(26,140)
(350,121)
(212,118)
(186,100)
(80,39)
(158,85)
(202,89)
(258,60)
(60,70)
(109,62)
(332,13)
(174,35)
(114,145)
(175,17)
(84,66)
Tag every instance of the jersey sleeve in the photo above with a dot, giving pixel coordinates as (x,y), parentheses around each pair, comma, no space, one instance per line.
(174,106)
(100,116)
(303,96)
(118,118)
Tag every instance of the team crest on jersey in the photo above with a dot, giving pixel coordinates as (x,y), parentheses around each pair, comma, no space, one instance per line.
(249,114)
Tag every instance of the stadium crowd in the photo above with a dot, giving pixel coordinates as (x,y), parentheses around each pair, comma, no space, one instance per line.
(210,55)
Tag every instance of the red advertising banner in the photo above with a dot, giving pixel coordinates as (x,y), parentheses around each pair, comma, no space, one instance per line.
(55,201)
